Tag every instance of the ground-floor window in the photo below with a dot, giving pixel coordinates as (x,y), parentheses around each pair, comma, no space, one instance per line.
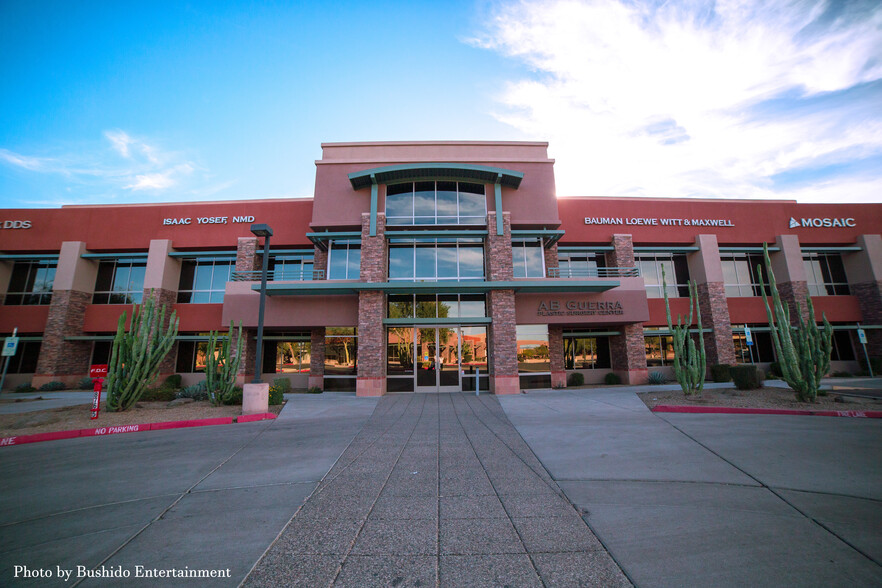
(25,359)
(582,353)
(843,347)
(534,361)
(435,357)
(659,350)
(341,358)
(762,350)
(101,352)
(192,357)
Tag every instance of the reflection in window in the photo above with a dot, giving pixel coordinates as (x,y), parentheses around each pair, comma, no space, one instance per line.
(31,282)
(580,265)
(582,353)
(341,352)
(436,259)
(292,357)
(295,266)
(825,274)
(436,203)
(436,306)
(533,354)
(192,355)
(120,281)
(762,349)
(203,279)
(740,274)
(344,259)
(25,359)
(659,350)
(676,274)
(528,259)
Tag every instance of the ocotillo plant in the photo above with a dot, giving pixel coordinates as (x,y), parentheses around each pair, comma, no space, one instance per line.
(221,367)
(136,354)
(690,361)
(803,349)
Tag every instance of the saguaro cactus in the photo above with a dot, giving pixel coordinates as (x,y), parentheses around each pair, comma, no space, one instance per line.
(221,367)
(690,361)
(136,354)
(803,349)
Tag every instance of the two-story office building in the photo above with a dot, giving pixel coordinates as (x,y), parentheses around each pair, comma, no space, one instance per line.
(435,266)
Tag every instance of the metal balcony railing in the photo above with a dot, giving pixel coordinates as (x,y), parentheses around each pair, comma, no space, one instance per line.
(279,275)
(594,272)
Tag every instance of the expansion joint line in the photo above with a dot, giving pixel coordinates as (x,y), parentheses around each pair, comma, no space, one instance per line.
(775,492)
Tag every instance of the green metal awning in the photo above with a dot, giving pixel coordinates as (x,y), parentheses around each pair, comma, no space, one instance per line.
(417,171)
(329,287)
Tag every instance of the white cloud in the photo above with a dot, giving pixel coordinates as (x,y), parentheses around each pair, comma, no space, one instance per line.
(643,98)
(22,161)
(120,140)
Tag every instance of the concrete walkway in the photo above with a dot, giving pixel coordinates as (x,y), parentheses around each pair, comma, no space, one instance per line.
(437,490)
(714,500)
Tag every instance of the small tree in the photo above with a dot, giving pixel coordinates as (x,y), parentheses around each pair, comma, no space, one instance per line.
(221,367)
(136,355)
(803,349)
(689,360)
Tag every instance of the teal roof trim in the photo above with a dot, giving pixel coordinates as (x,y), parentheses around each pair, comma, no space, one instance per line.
(418,171)
(330,287)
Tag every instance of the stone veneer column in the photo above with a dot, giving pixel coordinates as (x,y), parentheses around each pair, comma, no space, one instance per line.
(317,358)
(371,310)
(864,271)
(503,353)
(707,271)
(320,261)
(61,360)
(790,275)
(161,280)
(556,354)
(247,260)
(628,350)
(551,260)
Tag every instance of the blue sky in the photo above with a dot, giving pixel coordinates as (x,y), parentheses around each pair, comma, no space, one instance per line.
(114,102)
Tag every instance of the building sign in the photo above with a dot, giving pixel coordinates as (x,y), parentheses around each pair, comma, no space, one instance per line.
(15,224)
(579,308)
(208,220)
(660,222)
(821,222)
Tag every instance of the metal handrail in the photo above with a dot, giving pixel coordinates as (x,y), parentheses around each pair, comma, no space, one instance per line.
(594,272)
(279,275)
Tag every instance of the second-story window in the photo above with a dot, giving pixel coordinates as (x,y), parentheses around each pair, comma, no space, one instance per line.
(204,279)
(825,274)
(740,274)
(436,259)
(436,203)
(344,259)
(296,266)
(31,282)
(676,273)
(528,259)
(580,264)
(120,281)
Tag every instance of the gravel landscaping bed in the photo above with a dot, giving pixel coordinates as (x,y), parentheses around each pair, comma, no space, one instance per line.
(783,398)
(78,417)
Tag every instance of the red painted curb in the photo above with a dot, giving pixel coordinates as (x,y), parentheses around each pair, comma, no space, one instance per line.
(117,429)
(248,418)
(868,414)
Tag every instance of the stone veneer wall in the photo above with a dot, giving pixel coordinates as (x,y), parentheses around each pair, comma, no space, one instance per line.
(869,296)
(556,355)
(715,319)
(503,353)
(371,311)
(320,261)
(168,298)
(248,258)
(317,357)
(793,294)
(628,350)
(550,258)
(62,360)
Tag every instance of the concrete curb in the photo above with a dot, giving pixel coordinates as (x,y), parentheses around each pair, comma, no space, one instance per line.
(101,431)
(869,414)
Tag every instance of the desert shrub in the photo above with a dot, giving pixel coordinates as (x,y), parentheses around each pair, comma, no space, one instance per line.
(746,377)
(612,379)
(160,394)
(25,388)
(234,396)
(86,383)
(575,379)
(284,384)
(276,394)
(775,369)
(720,372)
(657,378)
(174,381)
(196,391)
(841,374)
(52,386)
(314,390)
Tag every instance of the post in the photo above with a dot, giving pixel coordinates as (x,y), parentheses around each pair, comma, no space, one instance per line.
(477,381)
(15,332)
(862,337)
(255,396)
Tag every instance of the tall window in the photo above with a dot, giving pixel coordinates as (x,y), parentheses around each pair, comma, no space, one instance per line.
(204,279)
(580,264)
(341,358)
(120,281)
(25,359)
(825,274)
(292,357)
(344,259)
(676,274)
(436,203)
(528,259)
(762,349)
(534,361)
(586,353)
(294,266)
(192,355)
(436,259)
(31,282)
(740,274)
(436,306)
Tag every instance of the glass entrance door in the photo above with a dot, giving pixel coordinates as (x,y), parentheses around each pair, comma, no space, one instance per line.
(437,350)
